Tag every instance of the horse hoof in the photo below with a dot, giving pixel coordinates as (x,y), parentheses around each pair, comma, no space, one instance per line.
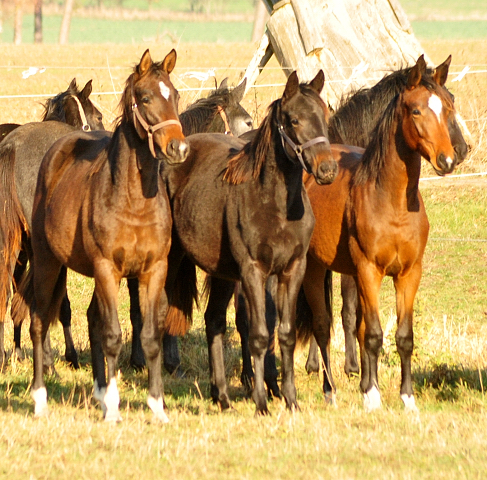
(247,384)
(262,412)
(224,403)
(312,367)
(273,391)
(372,400)
(138,364)
(178,373)
(352,370)
(71,357)
(17,355)
(50,370)
(330,399)
(113,417)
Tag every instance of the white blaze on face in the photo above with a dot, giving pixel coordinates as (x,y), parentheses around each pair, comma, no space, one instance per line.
(435,104)
(165,91)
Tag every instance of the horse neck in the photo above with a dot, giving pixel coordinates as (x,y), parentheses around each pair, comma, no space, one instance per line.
(400,172)
(134,170)
(284,178)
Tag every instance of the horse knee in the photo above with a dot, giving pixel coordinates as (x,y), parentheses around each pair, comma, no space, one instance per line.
(258,343)
(404,341)
(373,339)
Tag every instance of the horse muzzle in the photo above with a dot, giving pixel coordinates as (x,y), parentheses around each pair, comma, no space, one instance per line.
(326,171)
(444,165)
(177,151)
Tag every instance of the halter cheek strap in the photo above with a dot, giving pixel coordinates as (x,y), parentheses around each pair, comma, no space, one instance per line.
(85,127)
(223,114)
(150,129)
(298,149)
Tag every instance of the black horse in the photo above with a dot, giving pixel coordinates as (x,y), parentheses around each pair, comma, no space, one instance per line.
(21,152)
(240,212)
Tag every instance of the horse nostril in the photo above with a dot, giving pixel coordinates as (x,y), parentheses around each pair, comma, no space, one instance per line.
(183,150)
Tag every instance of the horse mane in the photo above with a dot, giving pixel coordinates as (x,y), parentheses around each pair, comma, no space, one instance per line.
(54,107)
(346,126)
(247,163)
(373,159)
(198,117)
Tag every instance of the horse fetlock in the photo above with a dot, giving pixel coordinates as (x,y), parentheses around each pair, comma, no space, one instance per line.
(40,402)
(372,400)
(157,407)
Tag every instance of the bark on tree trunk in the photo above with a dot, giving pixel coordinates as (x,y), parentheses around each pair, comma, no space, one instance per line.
(355,42)
(66,23)
(18,22)
(38,21)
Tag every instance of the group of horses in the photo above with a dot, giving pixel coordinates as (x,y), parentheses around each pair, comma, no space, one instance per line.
(154,200)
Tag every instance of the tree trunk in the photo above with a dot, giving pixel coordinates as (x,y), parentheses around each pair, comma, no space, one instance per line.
(66,23)
(355,42)
(38,21)
(18,22)
(260,19)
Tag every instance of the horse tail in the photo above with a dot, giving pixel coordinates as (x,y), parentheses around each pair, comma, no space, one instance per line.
(304,315)
(12,223)
(23,298)
(182,294)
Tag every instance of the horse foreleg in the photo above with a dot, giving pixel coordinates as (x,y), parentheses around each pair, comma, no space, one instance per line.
(253,286)
(106,291)
(49,289)
(314,289)
(153,302)
(216,323)
(406,288)
(370,335)
(3,357)
(270,368)
(95,330)
(289,283)
(349,322)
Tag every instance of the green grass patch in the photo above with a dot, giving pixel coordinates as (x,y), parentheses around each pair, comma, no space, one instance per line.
(454,29)
(98,31)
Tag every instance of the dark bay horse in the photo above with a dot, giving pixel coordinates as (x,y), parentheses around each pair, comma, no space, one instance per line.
(371,222)
(21,153)
(240,212)
(101,209)
(219,112)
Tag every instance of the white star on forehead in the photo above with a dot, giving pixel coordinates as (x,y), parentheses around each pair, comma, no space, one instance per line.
(435,104)
(165,92)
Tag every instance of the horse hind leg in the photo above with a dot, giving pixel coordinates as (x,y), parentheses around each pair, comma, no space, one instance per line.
(137,359)
(221,292)
(350,314)
(270,368)
(70,353)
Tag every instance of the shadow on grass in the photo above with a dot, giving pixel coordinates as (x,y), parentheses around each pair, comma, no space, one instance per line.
(450,381)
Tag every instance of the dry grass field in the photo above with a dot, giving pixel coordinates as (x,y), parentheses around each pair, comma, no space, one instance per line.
(448,438)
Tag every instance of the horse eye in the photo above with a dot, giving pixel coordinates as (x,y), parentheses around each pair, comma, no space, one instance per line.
(145,100)
(416,112)
(294,122)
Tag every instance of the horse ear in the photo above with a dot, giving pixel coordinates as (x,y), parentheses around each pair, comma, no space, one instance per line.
(86,92)
(224,84)
(441,72)
(145,63)
(169,62)
(416,73)
(72,85)
(292,86)
(318,82)
(239,91)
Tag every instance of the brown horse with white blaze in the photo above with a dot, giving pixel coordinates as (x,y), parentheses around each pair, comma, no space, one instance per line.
(371,222)
(104,193)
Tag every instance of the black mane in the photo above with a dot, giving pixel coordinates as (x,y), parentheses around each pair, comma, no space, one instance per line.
(54,108)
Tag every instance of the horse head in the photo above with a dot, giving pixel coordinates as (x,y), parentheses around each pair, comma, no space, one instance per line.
(303,128)
(79,109)
(237,120)
(428,117)
(150,102)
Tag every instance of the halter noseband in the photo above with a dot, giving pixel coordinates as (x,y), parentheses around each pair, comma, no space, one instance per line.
(150,129)
(224,117)
(85,127)
(298,149)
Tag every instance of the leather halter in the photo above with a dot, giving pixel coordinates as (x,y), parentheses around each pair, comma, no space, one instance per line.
(150,129)
(224,117)
(298,149)
(85,127)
